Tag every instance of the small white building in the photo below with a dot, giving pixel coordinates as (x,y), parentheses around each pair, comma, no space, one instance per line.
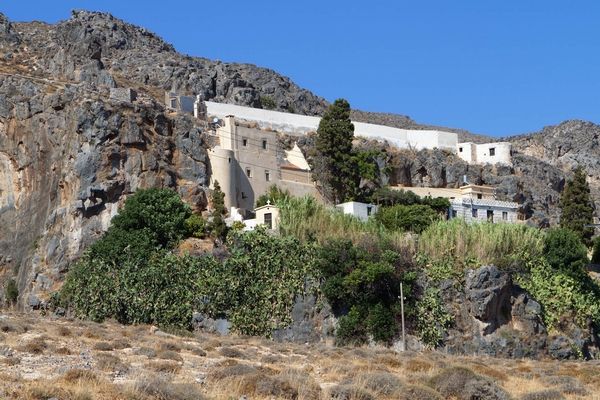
(479,204)
(267,215)
(360,210)
(488,153)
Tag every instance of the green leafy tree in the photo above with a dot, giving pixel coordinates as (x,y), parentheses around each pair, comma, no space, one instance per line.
(217,223)
(564,251)
(415,218)
(334,166)
(161,211)
(577,208)
(196,226)
(274,195)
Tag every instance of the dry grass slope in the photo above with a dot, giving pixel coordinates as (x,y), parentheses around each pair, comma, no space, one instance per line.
(110,361)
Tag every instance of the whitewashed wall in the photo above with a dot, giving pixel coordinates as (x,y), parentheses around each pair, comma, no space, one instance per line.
(302,124)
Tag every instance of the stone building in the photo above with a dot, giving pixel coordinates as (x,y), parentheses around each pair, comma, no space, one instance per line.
(472,203)
(248,160)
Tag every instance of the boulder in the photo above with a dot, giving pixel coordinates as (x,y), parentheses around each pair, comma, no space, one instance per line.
(488,291)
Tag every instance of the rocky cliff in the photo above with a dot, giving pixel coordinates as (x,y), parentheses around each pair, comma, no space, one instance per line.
(70,153)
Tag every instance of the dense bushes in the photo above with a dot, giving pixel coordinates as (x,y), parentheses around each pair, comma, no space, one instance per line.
(159,211)
(11,292)
(564,251)
(256,285)
(415,218)
(363,287)
(559,280)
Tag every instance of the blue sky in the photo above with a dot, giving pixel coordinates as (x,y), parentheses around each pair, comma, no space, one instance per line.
(492,67)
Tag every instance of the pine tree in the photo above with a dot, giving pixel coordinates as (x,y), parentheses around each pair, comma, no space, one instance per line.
(577,209)
(333,166)
(217,225)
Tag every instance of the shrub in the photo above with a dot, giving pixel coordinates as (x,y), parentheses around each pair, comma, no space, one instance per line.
(231,353)
(109,362)
(103,346)
(432,319)
(351,329)
(162,292)
(217,224)
(418,392)
(547,394)
(366,284)
(381,383)
(161,211)
(562,293)
(350,392)
(274,195)
(564,251)
(462,383)
(415,218)
(195,226)
(256,285)
(169,355)
(267,102)
(160,387)
(11,292)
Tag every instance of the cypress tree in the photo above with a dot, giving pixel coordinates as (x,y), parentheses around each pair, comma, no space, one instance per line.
(334,168)
(218,226)
(577,208)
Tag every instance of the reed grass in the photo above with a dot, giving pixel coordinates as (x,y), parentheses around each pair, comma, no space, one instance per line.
(308,220)
(484,243)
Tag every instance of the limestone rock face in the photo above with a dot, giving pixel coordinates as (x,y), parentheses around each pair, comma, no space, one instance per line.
(69,156)
(493,316)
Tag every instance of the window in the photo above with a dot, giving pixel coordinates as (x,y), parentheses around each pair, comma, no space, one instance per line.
(454,214)
(492,151)
(474,213)
(369,210)
(267,176)
(244,196)
(490,215)
(229,160)
(264,144)
(479,195)
(269,220)
(245,142)
(504,216)
(173,103)
(248,172)
(460,149)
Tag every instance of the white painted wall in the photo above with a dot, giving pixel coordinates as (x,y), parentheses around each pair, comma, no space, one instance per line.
(480,153)
(357,209)
(302,124)
(464,210)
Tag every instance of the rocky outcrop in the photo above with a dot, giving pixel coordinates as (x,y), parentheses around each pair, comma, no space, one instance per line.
(493,316)
(69,155)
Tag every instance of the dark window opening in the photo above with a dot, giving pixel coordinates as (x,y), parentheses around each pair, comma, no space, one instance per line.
(504,216)
(454,214)
(474,213)
(490,215)
(492,151)
(244,142)
(460,149)
(244,196)
(269,220)
(264,144)
(369,210)
(248,172)
(479,195)
(267,176)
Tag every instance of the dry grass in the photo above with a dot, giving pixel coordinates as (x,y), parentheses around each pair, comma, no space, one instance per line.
(109,361)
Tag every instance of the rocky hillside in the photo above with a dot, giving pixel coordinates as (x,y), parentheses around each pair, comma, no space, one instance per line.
(69,153)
